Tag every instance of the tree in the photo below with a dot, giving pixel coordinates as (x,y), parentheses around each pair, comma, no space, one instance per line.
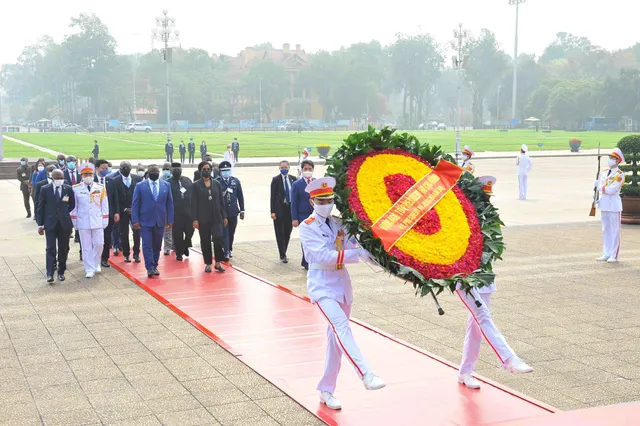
(275,85)
(570,102)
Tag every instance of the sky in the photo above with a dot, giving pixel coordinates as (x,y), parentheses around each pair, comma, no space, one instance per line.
(229,27)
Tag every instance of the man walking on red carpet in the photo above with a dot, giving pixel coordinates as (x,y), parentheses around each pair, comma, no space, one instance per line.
(327,248)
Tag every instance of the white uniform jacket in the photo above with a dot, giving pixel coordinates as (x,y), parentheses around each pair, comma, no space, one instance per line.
(524,164)
(609,187)
(92,207)
(468,166)
(328,249)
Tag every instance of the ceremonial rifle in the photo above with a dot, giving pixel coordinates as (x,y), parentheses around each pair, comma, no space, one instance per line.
(596,192)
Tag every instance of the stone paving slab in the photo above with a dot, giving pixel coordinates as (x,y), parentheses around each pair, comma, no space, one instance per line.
(573,319)
(103,351)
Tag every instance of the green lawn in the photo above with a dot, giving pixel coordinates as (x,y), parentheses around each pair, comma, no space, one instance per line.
(16,150)
(286,144)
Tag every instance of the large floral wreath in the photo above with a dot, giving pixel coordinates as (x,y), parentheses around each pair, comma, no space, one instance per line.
(456,242)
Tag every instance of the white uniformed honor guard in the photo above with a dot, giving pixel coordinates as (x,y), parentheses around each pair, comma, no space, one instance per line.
(90,216)
(610,205)
(479,324)
(524,164)
(327,248)
(467,165)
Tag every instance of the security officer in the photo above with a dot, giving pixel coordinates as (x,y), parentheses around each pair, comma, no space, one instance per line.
(96,149)
(191,147)
(168,149)
(203,150)
(467,165)
(183,151)
(182,231)
(24,176)
(327,248)
(610,206)
(233,198)
(90,216)
(235,148)
(168,235)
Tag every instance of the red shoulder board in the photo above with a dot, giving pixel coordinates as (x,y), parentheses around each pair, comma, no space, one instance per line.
(309,220)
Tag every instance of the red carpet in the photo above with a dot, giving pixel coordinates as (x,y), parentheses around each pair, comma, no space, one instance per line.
(282,337)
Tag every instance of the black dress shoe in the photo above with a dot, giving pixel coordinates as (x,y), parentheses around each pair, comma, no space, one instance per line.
(207,268)
(167,252)
(127,259)
(105,264)
(136,258)
(186,252)
(61,277)
(150,273)
(219,268)
(116,252)
(80,256)
(28,215)
(49,278)
(179,258)
(155,271)
(284,260)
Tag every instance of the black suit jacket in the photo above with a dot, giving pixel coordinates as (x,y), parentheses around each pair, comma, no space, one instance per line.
(207,211)
(126,194)
(67,176)
(113,194)
(278,195)
(181,201)
(36,193)
(51,210)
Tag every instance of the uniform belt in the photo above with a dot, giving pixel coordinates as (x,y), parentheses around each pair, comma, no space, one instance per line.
(326,267)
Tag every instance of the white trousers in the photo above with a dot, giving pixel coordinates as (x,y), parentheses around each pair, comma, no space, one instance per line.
(92,241)
(339,342)
(611,234)
(522,185)
(479,325)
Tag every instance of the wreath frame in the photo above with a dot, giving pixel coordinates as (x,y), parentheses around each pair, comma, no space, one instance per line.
(362,143)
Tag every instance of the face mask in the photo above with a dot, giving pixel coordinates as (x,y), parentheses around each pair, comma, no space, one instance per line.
(88,180)
(465,157)
(109,170)
(49,175)
(72,165)
(58,182)
(225,173)
(23,163)
(177,173)
(613,162)
(284,172)
(206,173)
(307,173)
(61,161)
(154,176)
(125,171)
(40,168)
(140,172)
(323,210)
(166,174)
(103,173)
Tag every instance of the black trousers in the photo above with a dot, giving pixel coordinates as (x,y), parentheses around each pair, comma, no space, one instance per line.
(108,232)
(235,155)
(25,196)
(60,237)
(169,158)
(182,155)
(182,232)
(283,227)
(205,231)
(230,233)
(191,157)
(125,221)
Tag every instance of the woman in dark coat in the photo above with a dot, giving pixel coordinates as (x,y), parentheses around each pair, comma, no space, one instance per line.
(209,216)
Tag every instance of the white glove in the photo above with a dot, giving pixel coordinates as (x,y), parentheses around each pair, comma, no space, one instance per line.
(367,257)
(596,184)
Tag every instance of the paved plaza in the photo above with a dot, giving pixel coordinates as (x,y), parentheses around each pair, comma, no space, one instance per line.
(103,351)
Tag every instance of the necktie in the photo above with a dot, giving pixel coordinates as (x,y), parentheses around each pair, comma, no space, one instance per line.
(102,180)
(609,173)
(58,193)
(287,191)
(73,178)
(328,222)
(308,181)
(154,190)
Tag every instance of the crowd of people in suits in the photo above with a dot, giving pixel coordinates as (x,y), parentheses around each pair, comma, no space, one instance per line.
(153,205)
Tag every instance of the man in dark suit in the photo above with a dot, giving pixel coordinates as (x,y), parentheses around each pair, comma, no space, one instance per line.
(24,177)
(102,170)
(281,208)
(234,201)
(235,147)
(181,191)
(126,183)
(191,147)
(152,211)
(56,201)
(168,149)
(71,175)
(301,209)
(203,150)
(183,152)
(46,181)
(96,150)
(209,216)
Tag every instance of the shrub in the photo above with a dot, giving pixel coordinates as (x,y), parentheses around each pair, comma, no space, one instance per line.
(630,147)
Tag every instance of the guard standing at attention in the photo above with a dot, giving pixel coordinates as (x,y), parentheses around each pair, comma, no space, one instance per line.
(328,248)
(183,151)
(191,147)
(90,216)
(168,149)
(203,150)
(467,165)
(610,205)
(24,177)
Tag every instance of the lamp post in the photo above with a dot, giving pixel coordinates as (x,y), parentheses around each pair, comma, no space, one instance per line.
(260,94)
(515,59)
(166,33)
(460,35)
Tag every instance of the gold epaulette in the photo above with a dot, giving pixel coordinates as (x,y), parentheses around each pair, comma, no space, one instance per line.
(309,220)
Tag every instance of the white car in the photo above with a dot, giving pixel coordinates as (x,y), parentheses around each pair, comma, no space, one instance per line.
(138,127)
(442,126)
